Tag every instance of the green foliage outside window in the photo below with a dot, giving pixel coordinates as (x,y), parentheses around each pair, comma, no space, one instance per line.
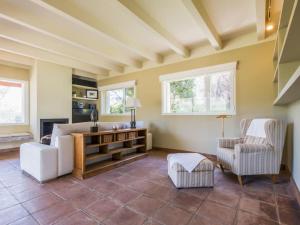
(118,98)
(183,89)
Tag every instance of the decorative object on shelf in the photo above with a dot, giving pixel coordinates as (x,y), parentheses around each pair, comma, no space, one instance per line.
(92,94)
(94,118)
(81,105)
(133,104)
(74,95)
(223,117)
(115,127)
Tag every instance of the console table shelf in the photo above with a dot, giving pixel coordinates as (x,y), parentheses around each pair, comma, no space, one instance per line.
(100,151)
(94,169)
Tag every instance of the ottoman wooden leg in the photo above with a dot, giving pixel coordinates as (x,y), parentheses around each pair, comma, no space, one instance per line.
(240,180)
(222,168)
(274,178)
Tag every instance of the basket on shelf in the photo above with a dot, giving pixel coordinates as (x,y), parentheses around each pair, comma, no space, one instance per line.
(107,138)
(121,136)
(131,135)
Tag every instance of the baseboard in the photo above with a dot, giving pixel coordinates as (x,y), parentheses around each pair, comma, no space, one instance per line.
(9,150)
(295,189)
(171,150)
(210,156)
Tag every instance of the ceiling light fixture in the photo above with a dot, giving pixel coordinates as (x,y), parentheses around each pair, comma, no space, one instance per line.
(270,25)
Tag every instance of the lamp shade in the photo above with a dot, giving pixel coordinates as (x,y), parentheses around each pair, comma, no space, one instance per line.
(133,103)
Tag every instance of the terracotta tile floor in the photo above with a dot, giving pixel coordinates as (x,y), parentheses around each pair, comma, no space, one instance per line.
(141,193)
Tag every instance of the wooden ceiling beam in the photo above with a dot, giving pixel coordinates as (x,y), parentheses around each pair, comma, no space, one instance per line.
(28,51)
(201,17)
(18,59)
(151,24)
(17,14)
(35,39)
(78,20)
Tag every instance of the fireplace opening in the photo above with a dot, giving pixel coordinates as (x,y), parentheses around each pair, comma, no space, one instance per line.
(46,127)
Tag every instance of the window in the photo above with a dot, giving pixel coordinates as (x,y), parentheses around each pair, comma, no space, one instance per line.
(13,102)
(114,98)
(205,91)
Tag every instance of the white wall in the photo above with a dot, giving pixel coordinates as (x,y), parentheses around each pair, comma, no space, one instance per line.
(255,95)
(33,101)
(294,120)
(51,94)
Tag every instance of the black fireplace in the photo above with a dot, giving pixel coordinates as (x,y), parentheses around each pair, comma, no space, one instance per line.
(46,125)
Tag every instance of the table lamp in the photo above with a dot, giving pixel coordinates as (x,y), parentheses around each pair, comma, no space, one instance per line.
(133,104)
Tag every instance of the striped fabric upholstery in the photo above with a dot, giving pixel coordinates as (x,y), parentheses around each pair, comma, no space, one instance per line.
(205,165)
(255,155)
(255,140)
(226,157)
(244,125)
(229,142)
(202,175)
(251,159)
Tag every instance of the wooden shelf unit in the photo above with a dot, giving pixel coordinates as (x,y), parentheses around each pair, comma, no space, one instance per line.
(83,87)
(109,150)
(88,99)
(286,56)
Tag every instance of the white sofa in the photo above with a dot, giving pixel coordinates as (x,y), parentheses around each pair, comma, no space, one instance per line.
(45,162)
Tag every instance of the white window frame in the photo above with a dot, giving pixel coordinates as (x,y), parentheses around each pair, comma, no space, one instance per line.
(165,79)
(103,89)
(25,101)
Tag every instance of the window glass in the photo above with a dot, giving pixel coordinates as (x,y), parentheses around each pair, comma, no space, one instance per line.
(12,102)
(114,101)
(204,93)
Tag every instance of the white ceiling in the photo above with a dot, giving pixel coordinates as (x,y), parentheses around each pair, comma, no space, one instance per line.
(230,16)
(108,37)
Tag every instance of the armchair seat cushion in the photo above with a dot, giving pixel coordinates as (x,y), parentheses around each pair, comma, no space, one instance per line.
(255,140)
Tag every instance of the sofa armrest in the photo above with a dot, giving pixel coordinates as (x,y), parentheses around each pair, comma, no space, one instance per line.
(65,145)
(229,142)
(252,148)
(39,160)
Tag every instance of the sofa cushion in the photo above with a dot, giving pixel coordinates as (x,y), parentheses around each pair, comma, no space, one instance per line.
(66,129)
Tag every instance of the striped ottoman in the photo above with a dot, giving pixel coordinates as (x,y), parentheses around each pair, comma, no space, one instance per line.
(201,176)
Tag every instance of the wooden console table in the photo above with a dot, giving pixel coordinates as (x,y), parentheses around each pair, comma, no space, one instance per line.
(103,144)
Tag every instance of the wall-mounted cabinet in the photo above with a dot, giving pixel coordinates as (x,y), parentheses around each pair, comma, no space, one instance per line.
(286,56)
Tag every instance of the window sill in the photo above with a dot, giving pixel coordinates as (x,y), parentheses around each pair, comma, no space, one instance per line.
(13,124)
(198,114)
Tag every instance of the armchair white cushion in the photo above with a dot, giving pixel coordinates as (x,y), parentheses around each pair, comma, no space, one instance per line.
(251,155)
